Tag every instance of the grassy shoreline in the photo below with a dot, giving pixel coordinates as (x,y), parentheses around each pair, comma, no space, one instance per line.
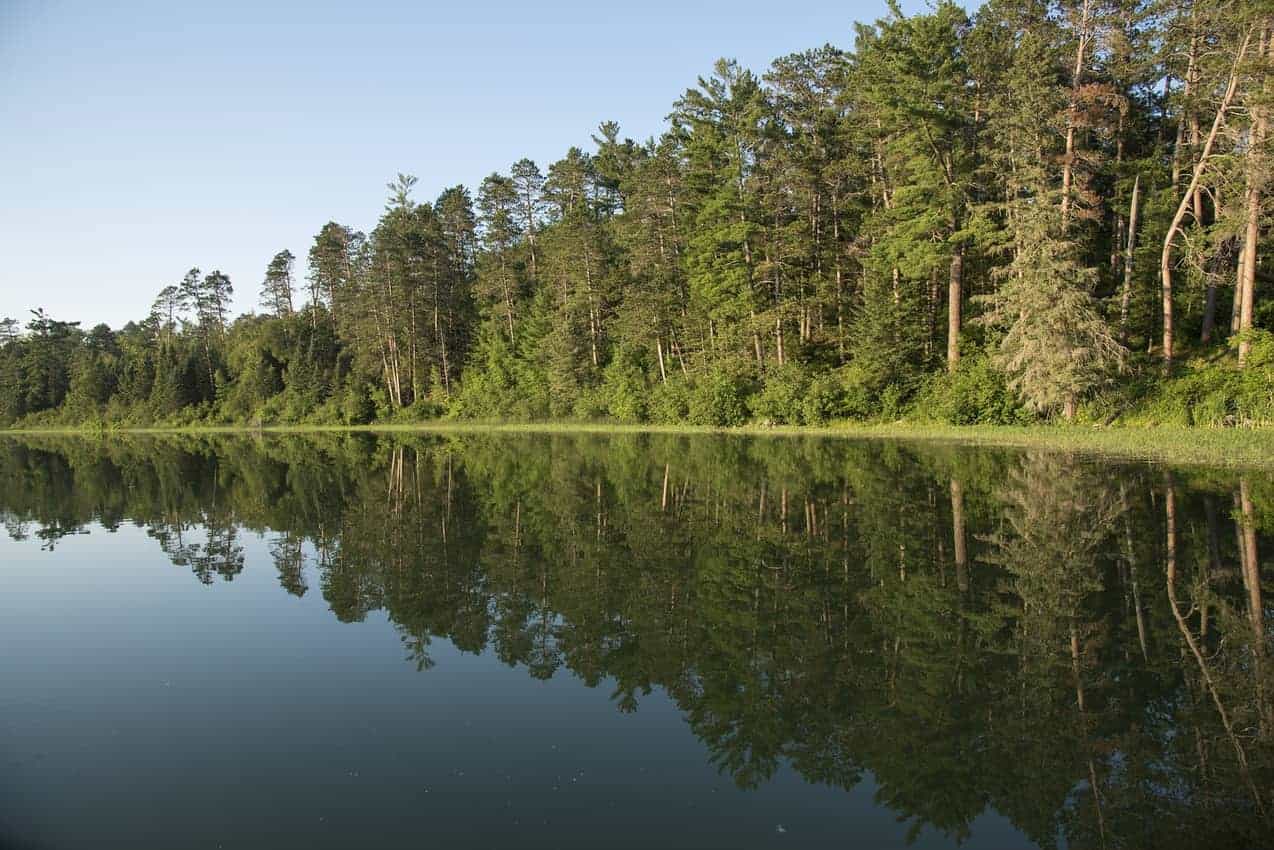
(1245,448)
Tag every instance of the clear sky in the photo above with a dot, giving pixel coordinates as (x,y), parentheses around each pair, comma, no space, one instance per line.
(138,139)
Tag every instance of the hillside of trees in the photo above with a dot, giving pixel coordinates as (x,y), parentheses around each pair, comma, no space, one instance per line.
(1043,210)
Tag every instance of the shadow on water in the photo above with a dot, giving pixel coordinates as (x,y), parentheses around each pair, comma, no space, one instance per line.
(1081,646)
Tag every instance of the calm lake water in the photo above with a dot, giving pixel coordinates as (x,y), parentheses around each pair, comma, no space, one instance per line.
(628,641)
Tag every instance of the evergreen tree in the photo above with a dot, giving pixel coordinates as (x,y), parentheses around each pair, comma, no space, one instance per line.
(276,290)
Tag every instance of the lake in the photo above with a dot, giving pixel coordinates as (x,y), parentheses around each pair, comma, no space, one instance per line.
(489,640)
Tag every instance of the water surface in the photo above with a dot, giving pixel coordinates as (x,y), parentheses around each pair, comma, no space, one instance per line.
(628,641)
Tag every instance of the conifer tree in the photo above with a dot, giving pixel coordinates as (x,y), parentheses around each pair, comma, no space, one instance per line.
(276,290)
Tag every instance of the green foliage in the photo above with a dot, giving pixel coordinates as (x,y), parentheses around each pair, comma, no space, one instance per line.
(975,394)
(624,390)
(499,384)
(787,251)
(782,396)
(1215,394)
(957,599)
(670,402)
(826,398)
(720,398)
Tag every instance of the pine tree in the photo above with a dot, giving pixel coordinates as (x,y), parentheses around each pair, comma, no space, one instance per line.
(498,285)
(1056,346)
(719,124)
(276,290)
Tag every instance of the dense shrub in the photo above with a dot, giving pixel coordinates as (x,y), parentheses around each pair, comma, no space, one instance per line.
(669,402)
(857,392)
(589,404)
(1216,394)
(720,398)
(782,395)
(825,399)
(624,393)
(975,394)
(500,385)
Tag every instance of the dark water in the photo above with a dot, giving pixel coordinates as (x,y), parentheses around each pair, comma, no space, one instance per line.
(631,641)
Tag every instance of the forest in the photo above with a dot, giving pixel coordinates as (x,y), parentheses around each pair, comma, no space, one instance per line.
(1044,210)
(1082,647)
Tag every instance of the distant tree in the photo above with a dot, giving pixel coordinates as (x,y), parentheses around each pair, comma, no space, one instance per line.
(8,330)
(498,285)
(46,364)
(527,182)
(276,290)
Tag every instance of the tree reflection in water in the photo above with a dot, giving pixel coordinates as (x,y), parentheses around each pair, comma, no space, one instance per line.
(1080,646)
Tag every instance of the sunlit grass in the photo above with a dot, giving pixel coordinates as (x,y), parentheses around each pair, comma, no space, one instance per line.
(1214,447)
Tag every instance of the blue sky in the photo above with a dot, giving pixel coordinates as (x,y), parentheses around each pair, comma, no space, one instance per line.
(138,139)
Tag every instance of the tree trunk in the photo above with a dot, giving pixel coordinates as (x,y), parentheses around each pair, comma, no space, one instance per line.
(957,530)
(955,289)
(1209,312)
(756,345)
(1165,262)
(1251,565)
(508,295)
(1192,74)
(1130,243)
(1068,162)
(931,311)
(1252,234)
(1237,306)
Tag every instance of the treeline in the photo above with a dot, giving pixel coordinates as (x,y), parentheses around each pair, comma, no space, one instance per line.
(1082,647)
(1046,209)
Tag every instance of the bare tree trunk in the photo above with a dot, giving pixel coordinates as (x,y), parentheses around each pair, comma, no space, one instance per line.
(957,527)
(1237,306)
(1255,179)
(931,311)
(508,296)
(1251,565)
(1068,162)
(1130,246)
(756,345)
(955,290)
(1209,314)
(1165,263)
(1192,82)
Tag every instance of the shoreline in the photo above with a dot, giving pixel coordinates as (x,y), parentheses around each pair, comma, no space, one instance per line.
(1229,448)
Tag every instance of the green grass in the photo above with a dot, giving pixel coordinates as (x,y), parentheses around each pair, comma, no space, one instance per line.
(1248,448)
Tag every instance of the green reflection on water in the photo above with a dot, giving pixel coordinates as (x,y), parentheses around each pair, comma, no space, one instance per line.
(1080,646)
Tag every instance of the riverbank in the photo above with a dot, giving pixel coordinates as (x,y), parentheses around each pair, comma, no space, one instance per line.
(1247,448)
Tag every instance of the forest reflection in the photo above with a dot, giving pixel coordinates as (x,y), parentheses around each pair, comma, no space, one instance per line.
(1080,645)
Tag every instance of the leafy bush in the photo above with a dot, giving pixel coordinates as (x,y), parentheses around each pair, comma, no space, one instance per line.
(624,393)
(857,392)
(719,398)
(892,402)
(782,395)
(669,402)
(589,404)
(975,394)
(356,406)
(1217,394)
(500,385)
(825,399)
